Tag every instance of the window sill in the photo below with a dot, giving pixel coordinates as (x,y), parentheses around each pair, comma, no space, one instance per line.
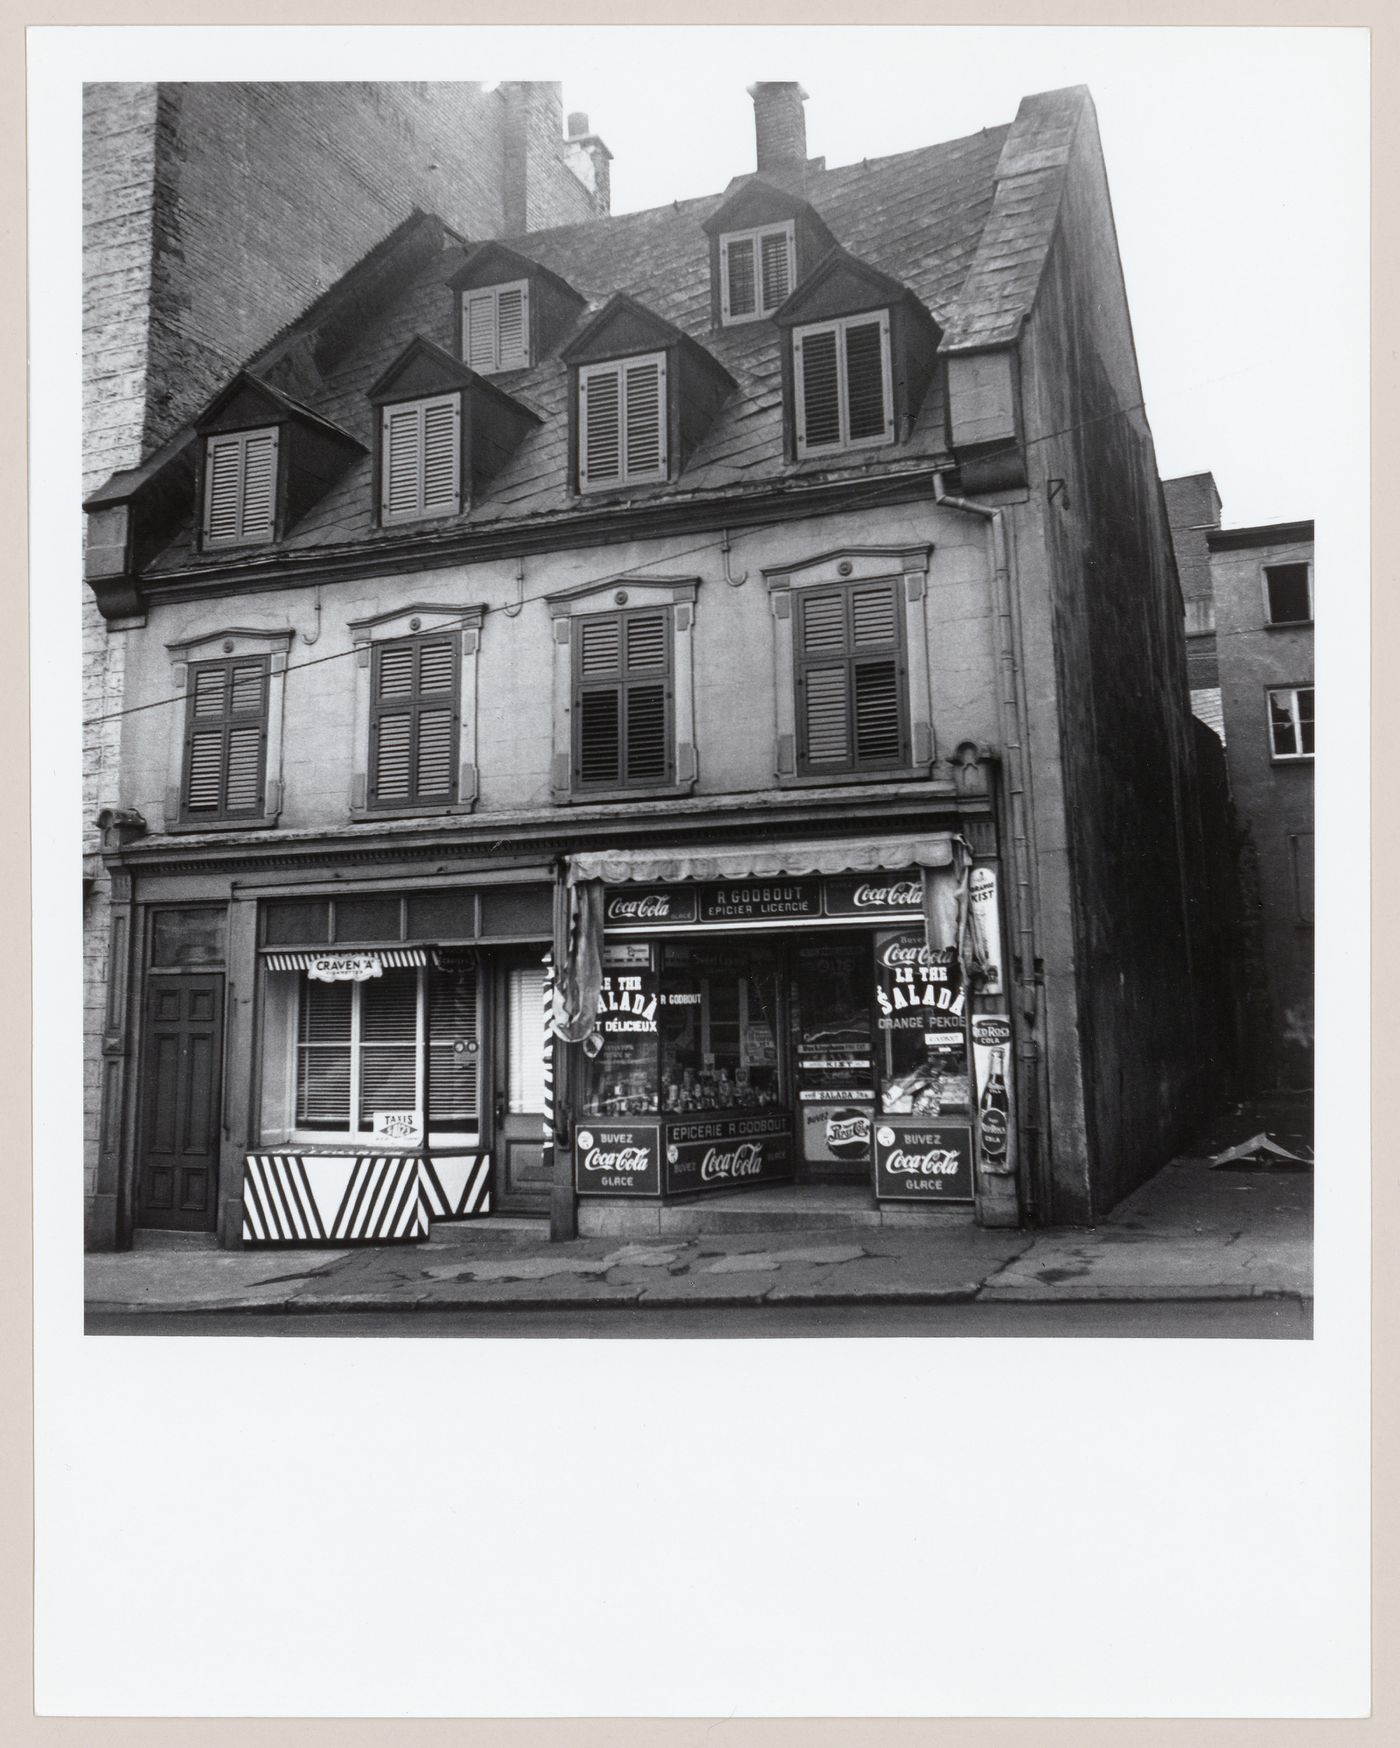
(639,792)
(366,815)
(246,823)
(1292,758)
(832,779)
(1288,625)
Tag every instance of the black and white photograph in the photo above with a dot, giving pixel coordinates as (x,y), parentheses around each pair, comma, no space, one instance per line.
(699,722)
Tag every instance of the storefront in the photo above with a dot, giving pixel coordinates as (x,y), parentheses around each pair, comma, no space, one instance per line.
(789,1014)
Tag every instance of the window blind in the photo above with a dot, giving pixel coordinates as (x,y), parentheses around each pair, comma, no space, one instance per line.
(525,1039)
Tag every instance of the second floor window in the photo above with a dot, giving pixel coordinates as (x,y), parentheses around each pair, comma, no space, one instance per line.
(420,459)
(225,740)
(1288,593)
(622,701)
(850,680)
(755,272)
(414,723)
(240,487)
(496,327)
(622,423)
(844,398)
(1291,722)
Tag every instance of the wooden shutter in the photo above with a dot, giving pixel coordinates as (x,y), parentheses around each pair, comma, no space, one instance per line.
(496,327)
(226,739)
(842,372)
(622,422)
(869,413)
(240,487)
(420,459)
(850,679)
(740,287)
(816,365)
(414,722)
(775,250)
(622,699)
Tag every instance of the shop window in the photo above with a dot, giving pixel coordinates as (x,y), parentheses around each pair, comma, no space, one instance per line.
(844,393)
(225,739)
(413,723)
(756,272)
(336,1054)
(496,327)
(296,922)
(240,487)
(525,1089)
(1288,593)
(850,679)
(622,700)
(188,937)
(1291,722)
(622,423)
(420,459)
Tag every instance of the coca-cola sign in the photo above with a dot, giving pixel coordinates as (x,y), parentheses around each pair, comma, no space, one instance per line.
(918,1162)
(617,1160)
(636,907)
(727,1153)
(880,894)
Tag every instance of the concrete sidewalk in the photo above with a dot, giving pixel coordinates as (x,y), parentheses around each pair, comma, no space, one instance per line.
(1189,1233)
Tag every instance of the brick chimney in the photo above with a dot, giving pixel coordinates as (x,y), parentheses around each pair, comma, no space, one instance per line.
(780,126)
(589,158)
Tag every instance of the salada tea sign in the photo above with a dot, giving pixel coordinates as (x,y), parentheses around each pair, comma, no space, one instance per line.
(917,989)
(617,1159)
(727,1153)
(991,1053)
(917,1162)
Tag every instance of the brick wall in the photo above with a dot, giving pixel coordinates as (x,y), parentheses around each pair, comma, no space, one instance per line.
(212,214)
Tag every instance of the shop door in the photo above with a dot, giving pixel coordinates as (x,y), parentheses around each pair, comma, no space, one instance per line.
(181,1054)
(522,1172)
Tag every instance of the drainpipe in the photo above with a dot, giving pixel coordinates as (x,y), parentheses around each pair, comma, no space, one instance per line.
(1011,732)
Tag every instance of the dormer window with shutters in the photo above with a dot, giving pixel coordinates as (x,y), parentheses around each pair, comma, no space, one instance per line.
(644,395)
(851,668)
(263,460)
(444,430)
(415,711)
(858,360)
(757,272)
(624,700)
(496,327)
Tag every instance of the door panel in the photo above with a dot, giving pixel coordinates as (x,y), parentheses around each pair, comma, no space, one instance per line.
(177,1177)
(522,1172)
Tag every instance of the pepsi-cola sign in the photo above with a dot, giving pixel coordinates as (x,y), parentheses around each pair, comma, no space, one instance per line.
(923,1162)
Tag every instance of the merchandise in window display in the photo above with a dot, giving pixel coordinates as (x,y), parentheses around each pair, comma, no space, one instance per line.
(719,1017)
(921,1017)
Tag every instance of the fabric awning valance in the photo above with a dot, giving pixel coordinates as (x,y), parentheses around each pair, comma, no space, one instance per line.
(761,861)
(347,964)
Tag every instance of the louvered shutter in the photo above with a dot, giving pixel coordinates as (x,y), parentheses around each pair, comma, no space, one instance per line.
(867,386)
(775,249)
(850,679)
(452,1032)
(240,487)
(740,279)
(413,722)
(600,426)
(622,699)
(479,329)
(421,459)
(622,422)
(513,326)
(226,739)
(645,385)
(815,361)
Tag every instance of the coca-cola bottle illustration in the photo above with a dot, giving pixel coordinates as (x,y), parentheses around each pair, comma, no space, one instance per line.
(993,1112)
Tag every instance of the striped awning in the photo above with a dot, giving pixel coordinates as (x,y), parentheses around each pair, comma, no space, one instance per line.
(344,964)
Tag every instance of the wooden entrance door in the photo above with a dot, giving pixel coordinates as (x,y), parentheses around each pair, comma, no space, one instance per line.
(522,1171)
(182,1052)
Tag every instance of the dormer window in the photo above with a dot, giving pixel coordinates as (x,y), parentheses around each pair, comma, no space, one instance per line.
(842,373)
(622,418)
(496,327)
(757,270)
(421,459)
(240,487)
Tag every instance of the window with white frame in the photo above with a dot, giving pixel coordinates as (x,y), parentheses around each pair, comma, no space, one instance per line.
(844,395)
(1291,722)
(420,459)
(1288,594)
(622,423)
(240,487)
(338,1053)
(756,272)
(496,327)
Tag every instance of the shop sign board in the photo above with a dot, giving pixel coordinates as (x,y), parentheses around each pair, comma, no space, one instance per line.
(635,907)
(617,1159)
(726,1153)
(878,895)
(402,1126)
(918,989)
(839,1133)
(882,897)
(984,926)
(923,1162)
(996,1132)
(733,901)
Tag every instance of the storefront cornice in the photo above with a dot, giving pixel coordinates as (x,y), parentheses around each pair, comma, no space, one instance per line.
(618,524)
(495,840)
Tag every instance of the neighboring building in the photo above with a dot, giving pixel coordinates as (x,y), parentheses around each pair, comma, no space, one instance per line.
(212,214)
(1264,587)
(1193,510)
(746,639)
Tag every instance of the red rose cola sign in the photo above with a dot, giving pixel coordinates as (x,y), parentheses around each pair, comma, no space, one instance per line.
(923,1162)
